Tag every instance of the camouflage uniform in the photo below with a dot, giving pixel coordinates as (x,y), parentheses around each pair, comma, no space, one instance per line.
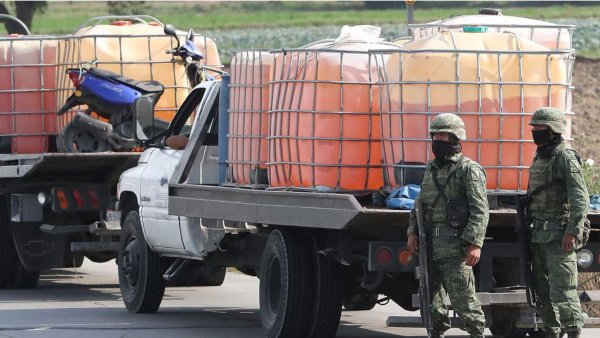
(449,251)
(565,206)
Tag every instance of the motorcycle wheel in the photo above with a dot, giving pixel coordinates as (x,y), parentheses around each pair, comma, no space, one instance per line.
(75,140)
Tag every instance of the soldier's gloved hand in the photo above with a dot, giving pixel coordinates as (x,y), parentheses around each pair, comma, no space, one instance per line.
(413,244)
(568,243)
(473,255)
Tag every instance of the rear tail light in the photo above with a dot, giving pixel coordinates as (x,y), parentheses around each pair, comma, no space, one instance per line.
(63,202)
(391,256)
(94,200)
(384,256)
(404,257)
(78,199)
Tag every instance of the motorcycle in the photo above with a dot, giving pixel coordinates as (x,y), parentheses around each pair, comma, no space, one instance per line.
(111,96)
(189,54)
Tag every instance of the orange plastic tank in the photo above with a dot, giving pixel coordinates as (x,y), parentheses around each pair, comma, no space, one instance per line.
(136,51)
(324,129)
(248,118)
(548,34)
(494,81)
(27,93)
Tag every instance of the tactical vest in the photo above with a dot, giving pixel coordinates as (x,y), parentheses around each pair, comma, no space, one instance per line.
(551,203)
(454,190)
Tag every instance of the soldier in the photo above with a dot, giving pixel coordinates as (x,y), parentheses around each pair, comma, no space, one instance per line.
(557,210)
(454,198)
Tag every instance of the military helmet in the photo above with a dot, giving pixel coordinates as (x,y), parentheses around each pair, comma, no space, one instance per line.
(550,117)
(448,123)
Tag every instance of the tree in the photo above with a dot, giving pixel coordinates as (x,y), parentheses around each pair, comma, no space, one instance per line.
(24,10)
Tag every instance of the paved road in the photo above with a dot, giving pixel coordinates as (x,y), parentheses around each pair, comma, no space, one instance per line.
(87,303)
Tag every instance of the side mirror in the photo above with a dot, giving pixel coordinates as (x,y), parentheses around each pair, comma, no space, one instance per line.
(143,115)
(170,30)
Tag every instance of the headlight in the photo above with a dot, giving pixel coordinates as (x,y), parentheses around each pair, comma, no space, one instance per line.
(584,258)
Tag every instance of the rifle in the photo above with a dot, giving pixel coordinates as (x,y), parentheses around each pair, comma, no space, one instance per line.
(524,232)
(424,271)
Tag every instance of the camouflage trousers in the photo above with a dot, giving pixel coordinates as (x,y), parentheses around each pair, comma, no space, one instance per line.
(457,280)
(555,281)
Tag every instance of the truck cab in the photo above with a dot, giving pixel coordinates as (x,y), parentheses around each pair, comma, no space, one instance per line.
(147,185)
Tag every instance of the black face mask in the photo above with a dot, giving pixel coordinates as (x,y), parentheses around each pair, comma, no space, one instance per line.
(546,149)
(541,137)
(443,149)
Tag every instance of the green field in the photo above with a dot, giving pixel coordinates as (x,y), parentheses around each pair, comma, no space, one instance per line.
(274,24)
(65,17)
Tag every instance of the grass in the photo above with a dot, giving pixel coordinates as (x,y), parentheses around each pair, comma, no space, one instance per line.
(65,17)
(254,18)
(591,175)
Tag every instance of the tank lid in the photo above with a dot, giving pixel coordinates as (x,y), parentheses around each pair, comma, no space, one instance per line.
(475,29)
(490,11)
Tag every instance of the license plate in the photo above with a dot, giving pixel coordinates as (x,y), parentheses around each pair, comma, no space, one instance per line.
(113,216)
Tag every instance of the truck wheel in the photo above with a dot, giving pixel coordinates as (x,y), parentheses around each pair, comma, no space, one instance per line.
(327,308)
(12,271)
(75,140)
(8,253)
(506,328)
(140,279)
(286,285)
(212,276)
(24,279)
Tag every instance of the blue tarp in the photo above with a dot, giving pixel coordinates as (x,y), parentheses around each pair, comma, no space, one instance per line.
(404,197)
(595,202)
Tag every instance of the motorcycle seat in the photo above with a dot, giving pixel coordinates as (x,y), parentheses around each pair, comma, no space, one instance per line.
(149,87)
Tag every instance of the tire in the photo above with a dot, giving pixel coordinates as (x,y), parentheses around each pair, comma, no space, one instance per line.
(12,272)
(8,252)
(327,308)
(212,276)
(286,285)
(140,279)
(24,279)
(506,328)
(361,302)
(75,140)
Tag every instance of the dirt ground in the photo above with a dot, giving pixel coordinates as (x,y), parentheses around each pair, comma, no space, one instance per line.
(586,105)
(586,134)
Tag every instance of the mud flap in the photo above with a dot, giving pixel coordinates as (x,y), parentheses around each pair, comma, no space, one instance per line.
(38,250)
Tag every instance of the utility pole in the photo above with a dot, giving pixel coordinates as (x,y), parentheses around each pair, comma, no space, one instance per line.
(409,15)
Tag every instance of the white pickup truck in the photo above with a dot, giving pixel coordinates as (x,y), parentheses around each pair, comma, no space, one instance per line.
(143,192)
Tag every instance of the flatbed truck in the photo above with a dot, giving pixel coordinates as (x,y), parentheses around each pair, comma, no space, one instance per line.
(315,253)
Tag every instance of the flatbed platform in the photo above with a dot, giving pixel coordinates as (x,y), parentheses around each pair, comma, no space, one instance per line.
(65,166)
(304,209)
